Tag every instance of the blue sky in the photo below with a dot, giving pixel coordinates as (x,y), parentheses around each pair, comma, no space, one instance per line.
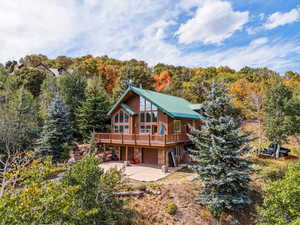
(191,33)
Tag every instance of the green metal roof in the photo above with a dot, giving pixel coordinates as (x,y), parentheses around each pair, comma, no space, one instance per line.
(128,109)
(196,106)
(175,107)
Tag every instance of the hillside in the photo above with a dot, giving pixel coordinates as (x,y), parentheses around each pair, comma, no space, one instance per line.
(179,188)
(49,107)
(246,85)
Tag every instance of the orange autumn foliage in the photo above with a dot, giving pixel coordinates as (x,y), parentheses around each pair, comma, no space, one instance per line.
(162,80)
(247,96)
(292,84)
(109,75)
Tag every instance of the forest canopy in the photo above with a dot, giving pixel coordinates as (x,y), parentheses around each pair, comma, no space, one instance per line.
(246,86)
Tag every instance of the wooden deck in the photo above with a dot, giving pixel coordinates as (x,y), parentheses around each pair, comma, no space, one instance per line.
(141,139)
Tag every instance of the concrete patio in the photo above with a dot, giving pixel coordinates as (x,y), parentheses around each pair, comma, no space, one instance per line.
(137,171)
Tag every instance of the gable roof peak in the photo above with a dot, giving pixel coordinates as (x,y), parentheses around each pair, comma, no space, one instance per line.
(174,106)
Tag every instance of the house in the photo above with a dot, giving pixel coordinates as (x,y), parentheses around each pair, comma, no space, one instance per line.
(55,72)
(150,127)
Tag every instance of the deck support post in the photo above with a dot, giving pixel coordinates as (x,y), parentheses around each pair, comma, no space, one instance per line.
(126,156)
(120,153)
(165,157)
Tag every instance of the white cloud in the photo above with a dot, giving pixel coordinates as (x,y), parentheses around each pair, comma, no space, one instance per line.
(81,27)
(186,5)
(127,29)
(261,52)
(152,48)
(30,26)
(280,19)
(213,22)
(259,41)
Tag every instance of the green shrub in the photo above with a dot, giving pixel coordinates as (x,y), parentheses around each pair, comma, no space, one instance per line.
(85,195)
(171,208)
(215,212)
(281,205)
(142,187)
(186,170)
(95,201)
(37,200)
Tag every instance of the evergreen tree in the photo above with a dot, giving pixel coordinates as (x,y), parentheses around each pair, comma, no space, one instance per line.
(49,90)
(92,114)
(57,130)
(18,122)
(135,73)
(282,115)
(24,111)
(219,155)
(73,92)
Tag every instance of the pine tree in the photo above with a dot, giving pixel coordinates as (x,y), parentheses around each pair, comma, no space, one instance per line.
(49,90)
(92,114)
(281,114)
(18,122)
(72,87)
(57,130)
(23,108)
(219,155)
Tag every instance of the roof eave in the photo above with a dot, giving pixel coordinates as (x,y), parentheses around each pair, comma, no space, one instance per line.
(187,116)
(128,109)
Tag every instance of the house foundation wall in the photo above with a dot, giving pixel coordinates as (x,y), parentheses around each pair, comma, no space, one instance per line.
(162,154)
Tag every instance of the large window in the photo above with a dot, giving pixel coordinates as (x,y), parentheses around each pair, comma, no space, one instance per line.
(142,104)
(154,116)
(177,126)
(148,116)
(121,122)
(146,105)
(145,129)
(121,117)
(121,129)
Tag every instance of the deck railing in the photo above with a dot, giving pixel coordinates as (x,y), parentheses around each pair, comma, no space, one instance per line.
(141,139)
